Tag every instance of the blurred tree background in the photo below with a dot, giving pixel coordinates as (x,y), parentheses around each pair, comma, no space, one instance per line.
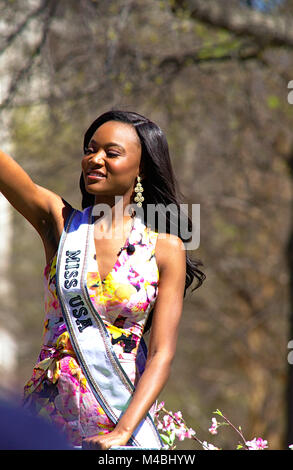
(214,76)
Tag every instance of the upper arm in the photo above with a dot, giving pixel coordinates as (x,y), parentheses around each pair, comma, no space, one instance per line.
(171,258)
(55,214)
(47,212)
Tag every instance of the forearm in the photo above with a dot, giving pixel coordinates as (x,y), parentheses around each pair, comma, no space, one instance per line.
(14,181)
(22,193)
(150,385)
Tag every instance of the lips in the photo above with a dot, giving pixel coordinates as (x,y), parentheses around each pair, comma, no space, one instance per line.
(95,175)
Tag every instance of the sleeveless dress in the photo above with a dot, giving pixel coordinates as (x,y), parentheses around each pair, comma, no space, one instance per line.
(58,390)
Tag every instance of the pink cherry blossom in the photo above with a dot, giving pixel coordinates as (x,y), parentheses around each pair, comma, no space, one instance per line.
(181,433)
(159,407)
(207,446)
(168,423)
(178,415)
(159,424)
(174,425)
(189,433)
(213,428)
(257,444)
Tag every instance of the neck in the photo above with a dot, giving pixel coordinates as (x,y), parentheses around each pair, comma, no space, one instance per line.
(111,214)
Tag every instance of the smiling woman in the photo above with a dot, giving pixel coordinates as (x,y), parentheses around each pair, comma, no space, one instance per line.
(112,156)
(95,378)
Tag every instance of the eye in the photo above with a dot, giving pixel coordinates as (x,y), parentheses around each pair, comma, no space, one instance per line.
(88,151)
(112,154)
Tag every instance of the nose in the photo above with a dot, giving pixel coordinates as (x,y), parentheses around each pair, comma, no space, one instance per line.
(97,157)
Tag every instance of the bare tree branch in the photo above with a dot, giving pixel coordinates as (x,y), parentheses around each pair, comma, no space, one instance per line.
(37,51)
(267,29)
(21,27)
(189,57)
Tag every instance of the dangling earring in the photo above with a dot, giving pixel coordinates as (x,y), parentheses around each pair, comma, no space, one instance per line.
(138,189)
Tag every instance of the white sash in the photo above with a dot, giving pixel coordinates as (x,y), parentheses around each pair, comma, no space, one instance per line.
(89,336)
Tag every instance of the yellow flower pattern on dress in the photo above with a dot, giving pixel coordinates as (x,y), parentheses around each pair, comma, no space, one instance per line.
(58,389)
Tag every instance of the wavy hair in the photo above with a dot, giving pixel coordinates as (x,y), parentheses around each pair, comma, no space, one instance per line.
(159,181)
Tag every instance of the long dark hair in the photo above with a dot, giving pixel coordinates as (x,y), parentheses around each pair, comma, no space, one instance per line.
(159,182)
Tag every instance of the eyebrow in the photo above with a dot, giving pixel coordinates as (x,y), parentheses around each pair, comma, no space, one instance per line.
(109,144)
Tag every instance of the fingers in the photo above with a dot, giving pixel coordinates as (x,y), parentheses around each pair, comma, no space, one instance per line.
(89,444)
(92,443)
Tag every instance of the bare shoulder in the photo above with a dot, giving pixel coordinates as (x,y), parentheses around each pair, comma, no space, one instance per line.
(170,252)
(171,261)
(168,241)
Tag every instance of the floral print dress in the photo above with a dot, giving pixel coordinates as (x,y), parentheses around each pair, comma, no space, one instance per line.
(58,390)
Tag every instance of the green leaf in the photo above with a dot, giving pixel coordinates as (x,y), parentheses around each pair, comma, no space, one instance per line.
(172,438)
(165,439)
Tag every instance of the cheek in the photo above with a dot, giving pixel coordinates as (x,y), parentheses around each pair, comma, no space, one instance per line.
(83,163)
(122,168)
(122,174)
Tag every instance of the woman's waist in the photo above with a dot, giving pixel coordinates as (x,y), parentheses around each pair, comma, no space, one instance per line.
(59,347)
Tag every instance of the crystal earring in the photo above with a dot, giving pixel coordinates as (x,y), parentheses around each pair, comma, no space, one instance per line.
(138,189)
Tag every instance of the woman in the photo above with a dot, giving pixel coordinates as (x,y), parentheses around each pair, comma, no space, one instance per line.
(131,284)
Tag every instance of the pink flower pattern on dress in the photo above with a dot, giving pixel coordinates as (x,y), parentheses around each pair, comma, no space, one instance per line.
(58,389)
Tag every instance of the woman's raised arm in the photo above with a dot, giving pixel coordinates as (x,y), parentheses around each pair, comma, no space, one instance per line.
(44,209)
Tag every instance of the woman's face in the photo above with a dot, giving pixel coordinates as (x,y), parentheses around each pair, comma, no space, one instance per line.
(112,161)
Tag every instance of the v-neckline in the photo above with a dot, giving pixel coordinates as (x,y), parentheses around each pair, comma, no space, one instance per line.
(118,257)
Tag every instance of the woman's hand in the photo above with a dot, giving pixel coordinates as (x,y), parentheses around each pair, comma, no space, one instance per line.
(105,441)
